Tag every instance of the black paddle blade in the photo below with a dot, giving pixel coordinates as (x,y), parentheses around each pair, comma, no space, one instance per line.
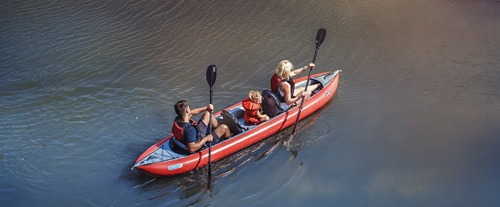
(211,75)
(320,36)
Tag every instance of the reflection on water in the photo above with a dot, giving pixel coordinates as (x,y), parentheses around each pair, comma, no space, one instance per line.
(87,86)
(194,183)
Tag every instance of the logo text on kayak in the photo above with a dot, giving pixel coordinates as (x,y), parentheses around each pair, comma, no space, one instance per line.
(173,167)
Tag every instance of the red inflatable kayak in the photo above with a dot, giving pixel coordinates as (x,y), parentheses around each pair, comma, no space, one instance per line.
(161,160)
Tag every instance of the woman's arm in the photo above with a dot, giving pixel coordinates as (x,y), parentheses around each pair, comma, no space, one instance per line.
(286,89)
(297,71)
(300,70)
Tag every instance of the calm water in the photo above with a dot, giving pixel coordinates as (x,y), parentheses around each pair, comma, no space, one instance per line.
(87,86)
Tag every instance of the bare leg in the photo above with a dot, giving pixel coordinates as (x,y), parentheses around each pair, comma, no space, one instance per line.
(311,88)
(265,118)
(214,122)
(222,131)
(298,91)
(205,119)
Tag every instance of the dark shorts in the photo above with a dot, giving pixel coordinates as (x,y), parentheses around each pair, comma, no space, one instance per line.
(202,132)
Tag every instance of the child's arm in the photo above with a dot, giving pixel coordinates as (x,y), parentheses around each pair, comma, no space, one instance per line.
(260,115)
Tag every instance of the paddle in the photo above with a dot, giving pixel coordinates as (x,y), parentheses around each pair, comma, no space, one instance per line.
(320,37)
(211,76)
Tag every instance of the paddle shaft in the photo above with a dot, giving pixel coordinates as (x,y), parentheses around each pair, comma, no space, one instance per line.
(209,130)
(305,89)
(211,76)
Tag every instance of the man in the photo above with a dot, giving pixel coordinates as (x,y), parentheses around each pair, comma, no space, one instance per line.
(193,134)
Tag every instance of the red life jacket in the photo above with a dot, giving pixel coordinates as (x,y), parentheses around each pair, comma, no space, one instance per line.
(274,83)
(251,110)
(179,131)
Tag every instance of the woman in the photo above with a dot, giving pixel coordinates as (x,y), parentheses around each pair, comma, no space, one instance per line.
(283,86)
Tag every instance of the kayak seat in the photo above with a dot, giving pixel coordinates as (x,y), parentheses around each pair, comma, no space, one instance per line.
(271,105)
(178,147)
(231,119)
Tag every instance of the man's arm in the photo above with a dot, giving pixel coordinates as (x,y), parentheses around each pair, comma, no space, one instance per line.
(197,111)
(191,136)
(195,146)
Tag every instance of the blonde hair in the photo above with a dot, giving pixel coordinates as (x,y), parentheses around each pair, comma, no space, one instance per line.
(284,69)
(254,95)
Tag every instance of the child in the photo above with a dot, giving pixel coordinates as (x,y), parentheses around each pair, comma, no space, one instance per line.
(252,107)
